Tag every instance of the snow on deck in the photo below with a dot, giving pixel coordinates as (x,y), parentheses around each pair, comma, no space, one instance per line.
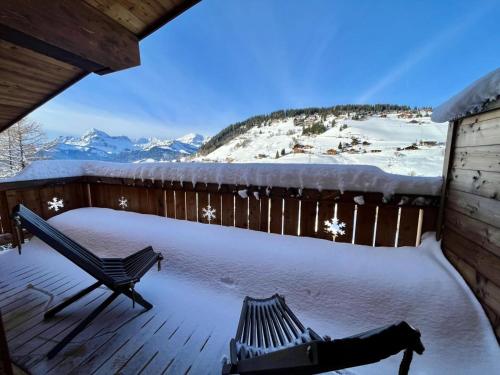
(314,176)
(337,289)
(471,100)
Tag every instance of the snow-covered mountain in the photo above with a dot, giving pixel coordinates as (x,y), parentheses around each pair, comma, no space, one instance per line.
(405,142)
(98,145)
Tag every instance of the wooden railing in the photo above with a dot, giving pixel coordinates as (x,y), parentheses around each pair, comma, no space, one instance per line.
(369,218)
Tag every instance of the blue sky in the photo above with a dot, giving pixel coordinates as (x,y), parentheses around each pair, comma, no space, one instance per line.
(225,60)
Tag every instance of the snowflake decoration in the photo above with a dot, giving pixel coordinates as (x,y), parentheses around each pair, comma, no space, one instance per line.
(55,204)
(208,213)
(123,202)
(335,227)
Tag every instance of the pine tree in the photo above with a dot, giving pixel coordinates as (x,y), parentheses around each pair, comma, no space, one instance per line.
(283,152)
(277,155)
(340,145)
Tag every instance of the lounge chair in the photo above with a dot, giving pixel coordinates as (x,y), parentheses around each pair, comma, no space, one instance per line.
(118,274)
(270,339)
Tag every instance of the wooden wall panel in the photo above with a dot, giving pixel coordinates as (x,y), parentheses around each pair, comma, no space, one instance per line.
(471,228)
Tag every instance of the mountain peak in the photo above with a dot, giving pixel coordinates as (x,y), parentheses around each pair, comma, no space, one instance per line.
(194,139)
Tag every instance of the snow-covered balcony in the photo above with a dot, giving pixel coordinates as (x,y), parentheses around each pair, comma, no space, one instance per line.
(267,235)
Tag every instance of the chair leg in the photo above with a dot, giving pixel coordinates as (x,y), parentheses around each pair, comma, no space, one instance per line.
(81,326)
(50,313)
(137,298)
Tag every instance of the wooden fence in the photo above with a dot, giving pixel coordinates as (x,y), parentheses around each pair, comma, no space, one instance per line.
(399,221)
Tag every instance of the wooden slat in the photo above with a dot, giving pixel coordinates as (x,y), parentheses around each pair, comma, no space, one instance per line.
(408,225)
(481,233)
(482,260)
(180,204)
(480,208)
(191,208)
(429,221)
(170,201)
(345,214)
(216,202)
(264,214)
(483,133)
(203,203)
(276,214)
(291,216)
(478,182)
(253,213)
(481,117)
(326,211)
(308,207)
(365,224)
(4,214)
(483,158)
(227,209)
(240,211)
(387,226)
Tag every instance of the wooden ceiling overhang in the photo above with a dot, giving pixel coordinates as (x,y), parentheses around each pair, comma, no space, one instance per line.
(47,46)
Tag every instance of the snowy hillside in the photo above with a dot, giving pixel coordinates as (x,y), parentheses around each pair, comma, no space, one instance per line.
(399,142)
(98,145)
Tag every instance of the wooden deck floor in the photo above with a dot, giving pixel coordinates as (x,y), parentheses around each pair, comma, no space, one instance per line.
(172,338)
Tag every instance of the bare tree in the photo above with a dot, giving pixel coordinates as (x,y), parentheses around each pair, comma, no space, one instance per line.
(20,145)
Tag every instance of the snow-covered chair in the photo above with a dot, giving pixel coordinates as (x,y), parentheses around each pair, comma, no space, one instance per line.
(270,339)
(118,274)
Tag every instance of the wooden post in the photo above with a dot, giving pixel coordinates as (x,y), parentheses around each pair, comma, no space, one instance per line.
(447,163)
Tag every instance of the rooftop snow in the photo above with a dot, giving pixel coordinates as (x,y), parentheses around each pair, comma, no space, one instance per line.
(471,100)
(313,176)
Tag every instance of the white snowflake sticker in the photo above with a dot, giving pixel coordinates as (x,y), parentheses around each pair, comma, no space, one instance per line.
(335,227)
(123,202)
(208,213)
(55,204)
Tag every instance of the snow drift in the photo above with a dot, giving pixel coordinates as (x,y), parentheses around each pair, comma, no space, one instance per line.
(314,176)
(338,289)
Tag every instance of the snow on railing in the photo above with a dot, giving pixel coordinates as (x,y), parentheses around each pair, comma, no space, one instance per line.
(340,177)
(316,206)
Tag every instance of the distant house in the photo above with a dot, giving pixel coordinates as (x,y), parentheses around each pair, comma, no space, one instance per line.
(331,151)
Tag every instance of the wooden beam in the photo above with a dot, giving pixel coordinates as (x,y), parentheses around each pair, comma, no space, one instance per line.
(177,10)
(70,31)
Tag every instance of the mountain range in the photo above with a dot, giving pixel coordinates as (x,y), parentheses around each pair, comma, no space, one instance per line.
(97,145)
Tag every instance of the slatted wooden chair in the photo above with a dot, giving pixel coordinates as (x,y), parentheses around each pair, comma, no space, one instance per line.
(118,274)
(270,339)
